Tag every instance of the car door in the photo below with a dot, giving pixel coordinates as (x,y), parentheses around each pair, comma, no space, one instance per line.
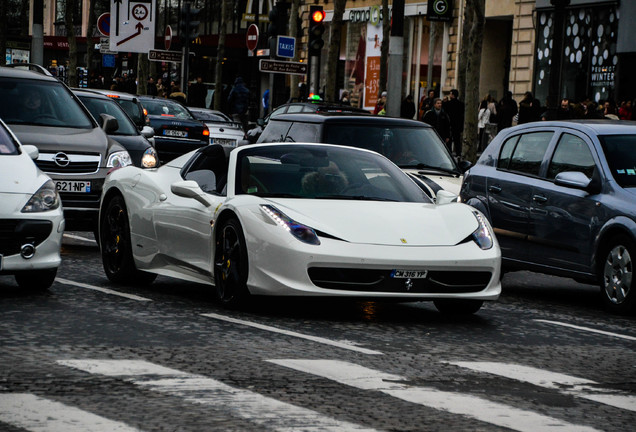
(183,226)
(562,219)
(509,191)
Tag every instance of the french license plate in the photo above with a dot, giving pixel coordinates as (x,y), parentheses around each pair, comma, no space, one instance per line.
(411,274)
(73,186)
(175,133)
(225,142)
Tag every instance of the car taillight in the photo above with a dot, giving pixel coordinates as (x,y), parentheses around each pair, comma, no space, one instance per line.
(206,131)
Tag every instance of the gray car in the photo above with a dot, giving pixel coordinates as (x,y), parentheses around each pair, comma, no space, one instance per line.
(73,149)
(561,197)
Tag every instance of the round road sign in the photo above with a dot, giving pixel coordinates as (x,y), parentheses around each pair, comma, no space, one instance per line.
(103,24)
(167,37)
(252,37)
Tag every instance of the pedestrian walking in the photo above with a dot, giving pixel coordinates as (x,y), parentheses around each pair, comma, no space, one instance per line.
(426,104)
(197,93)
(455,110)
(407,110)
(238,101)
(440,121)
(483,118)
(506,110)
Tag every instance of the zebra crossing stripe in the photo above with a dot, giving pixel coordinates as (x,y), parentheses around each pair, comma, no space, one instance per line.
(36,414)
(267,412)
(481,409)
(573,386)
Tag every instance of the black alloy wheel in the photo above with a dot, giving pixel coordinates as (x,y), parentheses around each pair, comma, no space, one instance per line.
(617,275)
(231,265)
(117,257)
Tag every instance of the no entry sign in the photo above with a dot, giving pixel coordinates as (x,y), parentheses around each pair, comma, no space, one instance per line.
(252,37)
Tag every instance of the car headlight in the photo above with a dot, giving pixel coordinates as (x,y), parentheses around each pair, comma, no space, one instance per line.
(302,232)
(482,235)
(118,159)
(46,198)
(149,159)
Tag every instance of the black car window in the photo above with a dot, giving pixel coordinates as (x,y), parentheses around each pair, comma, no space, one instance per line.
(572,154)
(620,151)
(208,168)
(506,152)
(529,152)
(99,106)
(133,110)
(303,132)
(294,108)
(276,131)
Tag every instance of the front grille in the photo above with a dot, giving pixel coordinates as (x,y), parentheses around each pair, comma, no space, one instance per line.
(381,281)
(76,163)
(16,232)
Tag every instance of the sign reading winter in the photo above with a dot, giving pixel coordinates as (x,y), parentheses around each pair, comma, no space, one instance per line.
(132,26)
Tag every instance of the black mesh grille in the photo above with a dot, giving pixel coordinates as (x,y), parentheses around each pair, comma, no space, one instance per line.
(16,232)
(381,281)
(71,168)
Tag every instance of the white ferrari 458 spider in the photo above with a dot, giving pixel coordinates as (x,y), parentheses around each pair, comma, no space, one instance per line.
(295,219)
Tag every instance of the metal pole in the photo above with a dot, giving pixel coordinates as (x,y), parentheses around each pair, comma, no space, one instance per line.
(185,61)
(37,42)
(396,55)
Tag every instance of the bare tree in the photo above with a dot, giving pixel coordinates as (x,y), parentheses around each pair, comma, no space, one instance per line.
(293,29)
(69,18)
(384,49)
(225,17)
(89,35)
(468,76)
(334,50)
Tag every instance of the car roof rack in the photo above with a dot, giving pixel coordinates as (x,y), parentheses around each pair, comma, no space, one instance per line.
(32,67)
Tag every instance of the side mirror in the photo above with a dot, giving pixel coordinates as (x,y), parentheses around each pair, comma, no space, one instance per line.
(260,122)
(189,189)
(465,165)
(31,150)
(147,131)
(572,179)
(109,123)
(445,197)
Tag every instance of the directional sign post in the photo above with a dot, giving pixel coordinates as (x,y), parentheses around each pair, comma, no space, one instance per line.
(132,25)
(165,56)
(284,67)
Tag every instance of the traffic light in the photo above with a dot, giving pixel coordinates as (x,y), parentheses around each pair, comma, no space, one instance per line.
(316,30)
(273,29)
(189,23)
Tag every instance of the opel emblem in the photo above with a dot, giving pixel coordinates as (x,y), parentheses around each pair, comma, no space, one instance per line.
(61,159)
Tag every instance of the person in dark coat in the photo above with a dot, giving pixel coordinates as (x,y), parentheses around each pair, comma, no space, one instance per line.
(529,109)
(407,110)
(239,100)
(197,93)
(455,110)
(426,104)
(440,121)
(506,110)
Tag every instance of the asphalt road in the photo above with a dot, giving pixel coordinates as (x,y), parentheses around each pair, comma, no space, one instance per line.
(91,356)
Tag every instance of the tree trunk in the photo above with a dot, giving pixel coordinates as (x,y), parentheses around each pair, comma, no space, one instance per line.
(331,93)
(384,49)
(69,16)
(473,44)
(142,73)
(218,92)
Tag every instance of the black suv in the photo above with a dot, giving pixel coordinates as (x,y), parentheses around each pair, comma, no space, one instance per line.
(412,145)
(74,150)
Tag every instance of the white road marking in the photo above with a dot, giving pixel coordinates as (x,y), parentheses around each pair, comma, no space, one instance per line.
(100,289)
(268,413)
(574,386)
(339,344)
(468,405)
(76,237)
(37,414)
(606,333)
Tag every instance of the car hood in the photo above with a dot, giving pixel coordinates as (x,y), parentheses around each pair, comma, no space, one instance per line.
(449,182)
(54,139)
(383,223)
(20,175)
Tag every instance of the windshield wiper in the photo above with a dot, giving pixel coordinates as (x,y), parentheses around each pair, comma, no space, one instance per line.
(354,197)
(423,166)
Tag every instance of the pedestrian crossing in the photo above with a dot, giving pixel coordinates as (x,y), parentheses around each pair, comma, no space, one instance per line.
(39,414)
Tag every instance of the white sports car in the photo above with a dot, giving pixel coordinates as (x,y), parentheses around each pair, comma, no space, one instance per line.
(31,219)
(296,220)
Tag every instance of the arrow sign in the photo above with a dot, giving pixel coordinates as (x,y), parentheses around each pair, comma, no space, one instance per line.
(116,2)
(139,28)
(133,24)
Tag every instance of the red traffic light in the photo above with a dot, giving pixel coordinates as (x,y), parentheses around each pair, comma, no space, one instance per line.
(317,16)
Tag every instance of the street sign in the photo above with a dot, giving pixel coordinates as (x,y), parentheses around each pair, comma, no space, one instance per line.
(165,56)
(133,25)
(285,46)
(284,67)
(252,37)
(103,24)
(167,37)
(104,46)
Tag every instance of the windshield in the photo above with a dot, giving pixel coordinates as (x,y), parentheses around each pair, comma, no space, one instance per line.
(407,147)
(620,152)
(132,109)
(99,106)
(7,146)
(41,103)
(322,172)
(166,108)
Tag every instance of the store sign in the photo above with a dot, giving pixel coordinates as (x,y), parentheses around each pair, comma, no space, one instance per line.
(440,10)
(371,15)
